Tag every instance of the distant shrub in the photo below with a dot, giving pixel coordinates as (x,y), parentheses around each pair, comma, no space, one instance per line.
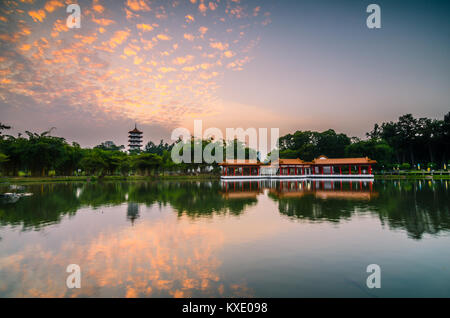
(405,166)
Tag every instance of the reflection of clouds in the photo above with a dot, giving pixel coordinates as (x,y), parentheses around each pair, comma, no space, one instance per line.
(125,65)
(161,259)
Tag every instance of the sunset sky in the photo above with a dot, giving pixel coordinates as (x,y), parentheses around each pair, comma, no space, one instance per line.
(295,65)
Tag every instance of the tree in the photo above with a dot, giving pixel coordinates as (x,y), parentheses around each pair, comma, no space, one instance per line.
(150,147)
(3,127)
(146,162)
(93,163)
(110,146)
(41,152)
(377,150)
(308,145)
(3,160)
(414,140)
(125,165)
(70,161)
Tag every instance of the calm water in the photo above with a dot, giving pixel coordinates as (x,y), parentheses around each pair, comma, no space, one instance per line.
(202,239)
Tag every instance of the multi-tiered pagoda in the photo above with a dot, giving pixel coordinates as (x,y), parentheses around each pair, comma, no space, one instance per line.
(135,139)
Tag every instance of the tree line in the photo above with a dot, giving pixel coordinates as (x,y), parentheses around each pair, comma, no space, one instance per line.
(408,142)
(41,154)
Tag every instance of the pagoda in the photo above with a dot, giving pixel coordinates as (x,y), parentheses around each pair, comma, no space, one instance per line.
(135,139)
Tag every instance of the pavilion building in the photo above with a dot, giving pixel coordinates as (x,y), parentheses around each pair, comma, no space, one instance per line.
(321,167)
(135,139)
(243,169)
(342,166)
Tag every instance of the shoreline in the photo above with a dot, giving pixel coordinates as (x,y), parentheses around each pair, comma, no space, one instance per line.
(413,177)
(187,178)
(105,178)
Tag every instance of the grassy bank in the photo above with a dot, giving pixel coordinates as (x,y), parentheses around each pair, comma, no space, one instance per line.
(105,178)
(410,176)
(415,176)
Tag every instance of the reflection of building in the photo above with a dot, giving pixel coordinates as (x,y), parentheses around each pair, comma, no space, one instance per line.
(322,189)
(135,139)
(132,211)
(322,167)
(242,190)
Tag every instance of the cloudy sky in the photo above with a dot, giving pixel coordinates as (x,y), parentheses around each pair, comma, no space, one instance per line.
(295,65)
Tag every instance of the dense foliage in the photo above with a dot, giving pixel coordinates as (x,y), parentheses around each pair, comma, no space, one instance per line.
(405,143)
(41,154)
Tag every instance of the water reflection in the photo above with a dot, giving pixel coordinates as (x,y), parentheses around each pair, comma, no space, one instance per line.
(132,211)
(416,206)
(197,239)
(156,259)
(322,200)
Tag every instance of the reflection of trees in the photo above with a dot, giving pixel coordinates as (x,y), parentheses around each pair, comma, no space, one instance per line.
(314,209)
(415,207)
(100,194)
(48,205)
(50,202)
(321,200)
(418,207)
(194,199)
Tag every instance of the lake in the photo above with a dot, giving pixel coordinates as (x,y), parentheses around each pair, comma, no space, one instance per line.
(226,239)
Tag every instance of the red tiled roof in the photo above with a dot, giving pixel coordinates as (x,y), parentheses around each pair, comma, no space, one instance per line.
(322,160)
(290,161)
(245,162)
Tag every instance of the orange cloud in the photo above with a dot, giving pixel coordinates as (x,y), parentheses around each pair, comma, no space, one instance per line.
(111,73)
(25,47)
(189,37)
(202,8)
(189,18)
(52,5)
(98,8)
(163,37)
(38,15)
(144,27)
(118,38)
(138,5)
(166,69)
(103,22)
(183,59)
(219,46)
(229,54)
(128,51)
(203,30)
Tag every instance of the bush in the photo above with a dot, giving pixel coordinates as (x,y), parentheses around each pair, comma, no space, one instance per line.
(405,166)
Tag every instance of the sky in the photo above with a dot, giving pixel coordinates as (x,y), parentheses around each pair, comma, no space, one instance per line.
(161,64)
